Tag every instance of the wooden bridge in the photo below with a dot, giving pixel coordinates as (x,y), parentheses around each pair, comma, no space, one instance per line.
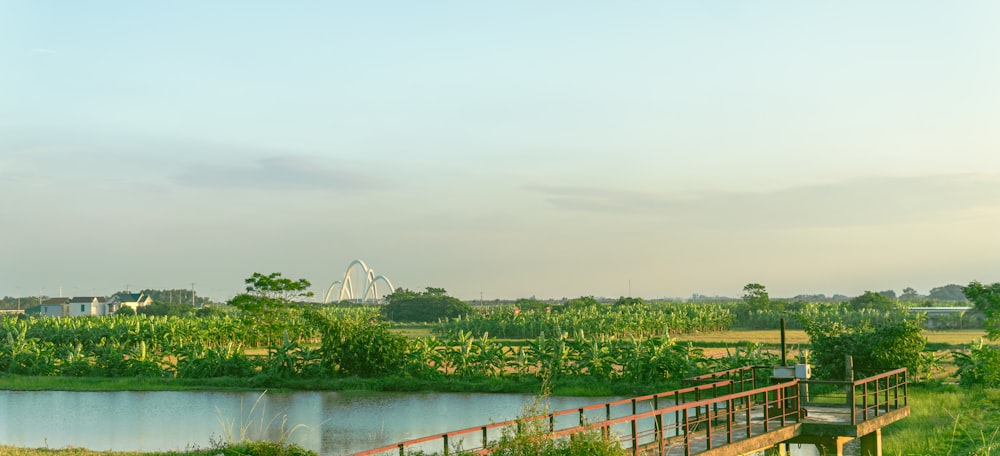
(724,413)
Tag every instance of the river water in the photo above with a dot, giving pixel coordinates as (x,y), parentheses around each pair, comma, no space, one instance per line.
(330,423)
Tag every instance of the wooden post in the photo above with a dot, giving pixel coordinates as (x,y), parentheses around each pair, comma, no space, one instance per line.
(784,351)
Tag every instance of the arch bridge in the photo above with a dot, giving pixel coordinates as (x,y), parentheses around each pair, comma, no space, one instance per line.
(369,285)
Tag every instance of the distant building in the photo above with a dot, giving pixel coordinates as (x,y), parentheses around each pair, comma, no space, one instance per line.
(88,306)
(54,307)
(950,317)
(132,300)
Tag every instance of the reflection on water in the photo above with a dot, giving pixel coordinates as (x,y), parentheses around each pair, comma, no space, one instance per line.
(338,422)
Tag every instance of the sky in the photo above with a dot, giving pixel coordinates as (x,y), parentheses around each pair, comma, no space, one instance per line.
(500,150)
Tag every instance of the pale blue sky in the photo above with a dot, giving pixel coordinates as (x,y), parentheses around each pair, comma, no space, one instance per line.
(512,149)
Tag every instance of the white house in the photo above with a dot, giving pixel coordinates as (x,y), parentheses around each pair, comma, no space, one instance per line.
(133,300)
(88,306)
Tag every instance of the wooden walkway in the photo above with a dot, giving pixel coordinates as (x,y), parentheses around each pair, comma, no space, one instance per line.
(724,413)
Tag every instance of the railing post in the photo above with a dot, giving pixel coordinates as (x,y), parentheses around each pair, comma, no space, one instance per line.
(687,433)
(750,423)
(864,401)
(445,438)
(677,412)
(697,410)
(486,441)
(906,384)
(729,420)
(851,402)
(635,438)
(402,450)
(658,422)
(581,416)
(708,424)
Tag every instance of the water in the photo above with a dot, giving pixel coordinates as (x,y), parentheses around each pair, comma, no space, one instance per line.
(337,423)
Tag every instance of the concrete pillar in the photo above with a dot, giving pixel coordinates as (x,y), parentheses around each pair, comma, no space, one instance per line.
(871,444)
(827,446)
(781,449)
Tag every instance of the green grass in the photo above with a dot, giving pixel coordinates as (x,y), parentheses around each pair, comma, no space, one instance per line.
(946,420)
(254,448)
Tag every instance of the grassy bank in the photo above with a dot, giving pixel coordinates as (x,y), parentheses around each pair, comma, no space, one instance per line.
(947,420)
(238,449)
(527,385)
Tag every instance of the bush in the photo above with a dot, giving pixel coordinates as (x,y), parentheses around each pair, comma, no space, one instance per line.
(264,448)
(355,346)
(874,349)
(430,306)
(980,366)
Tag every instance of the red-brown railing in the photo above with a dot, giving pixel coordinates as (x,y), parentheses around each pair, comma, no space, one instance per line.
(866,398)
(721,408)
(688,417)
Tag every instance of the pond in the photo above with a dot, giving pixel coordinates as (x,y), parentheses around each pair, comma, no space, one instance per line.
(330,423)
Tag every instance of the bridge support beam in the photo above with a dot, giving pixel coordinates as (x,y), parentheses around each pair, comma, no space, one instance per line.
(871,444)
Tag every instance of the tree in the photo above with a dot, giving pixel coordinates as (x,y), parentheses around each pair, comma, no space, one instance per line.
(755,296)
(530,305)
(167,308)
(429,306)
(629,301)
(909,294)
(950,292)
(270,291)
(125,310)
(874,349)
(581,302)
(987,299)
(872,300)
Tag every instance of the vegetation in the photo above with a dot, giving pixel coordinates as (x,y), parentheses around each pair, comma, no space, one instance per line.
(945,420)
(247,448)
(269,338)
(427,306)
(980,364)
(874,349)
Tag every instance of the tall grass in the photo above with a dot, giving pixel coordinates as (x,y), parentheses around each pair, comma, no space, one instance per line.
(946,420)
(254,424)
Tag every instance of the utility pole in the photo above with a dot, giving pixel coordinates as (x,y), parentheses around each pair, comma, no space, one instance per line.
(192,294)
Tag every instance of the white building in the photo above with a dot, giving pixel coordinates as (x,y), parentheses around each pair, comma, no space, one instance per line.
(88,306)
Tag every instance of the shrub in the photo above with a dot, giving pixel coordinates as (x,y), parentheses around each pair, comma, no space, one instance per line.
(980,366)
(874,349)
(430,306)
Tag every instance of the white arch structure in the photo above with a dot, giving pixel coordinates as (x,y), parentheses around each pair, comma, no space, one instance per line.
(347,285)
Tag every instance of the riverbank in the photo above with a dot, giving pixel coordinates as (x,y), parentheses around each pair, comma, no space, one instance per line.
(526,385)
(240,449)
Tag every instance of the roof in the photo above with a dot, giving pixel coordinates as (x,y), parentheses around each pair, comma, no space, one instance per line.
(86,299)
(51,301)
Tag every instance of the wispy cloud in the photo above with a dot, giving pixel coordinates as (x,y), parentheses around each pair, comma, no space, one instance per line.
(280,172)
(863,201)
